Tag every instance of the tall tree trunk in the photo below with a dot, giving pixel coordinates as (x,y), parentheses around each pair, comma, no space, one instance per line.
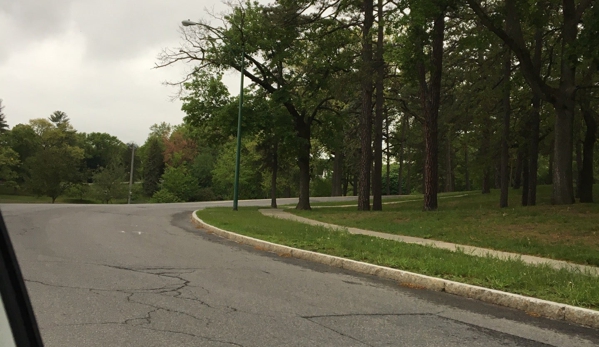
(408,190)
(402,145)
(303,161)
(430,96)
(578,149)
(525,179)
(388,153)
(449,185)
(377,189)
(345,184)
(517,176)
(274,170)
(533,166)
(587,176)
(535,123)
(366,116)
(507,109)
(337,173)
(466,168)
(563,97)
(485,147)
(563,188)
(564,104)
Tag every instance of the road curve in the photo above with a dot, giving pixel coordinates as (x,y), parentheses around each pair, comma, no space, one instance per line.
(142,275)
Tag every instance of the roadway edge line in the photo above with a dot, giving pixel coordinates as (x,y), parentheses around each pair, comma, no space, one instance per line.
(530,305)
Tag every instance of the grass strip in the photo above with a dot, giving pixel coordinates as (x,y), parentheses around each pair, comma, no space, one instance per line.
(514,276)
(568,233)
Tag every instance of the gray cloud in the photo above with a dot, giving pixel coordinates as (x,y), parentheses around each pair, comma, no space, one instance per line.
(94,60)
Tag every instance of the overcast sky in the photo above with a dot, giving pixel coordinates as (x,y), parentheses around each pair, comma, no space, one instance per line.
(94,60)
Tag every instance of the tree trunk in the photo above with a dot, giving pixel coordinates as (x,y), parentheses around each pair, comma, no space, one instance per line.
(402,146)
(274,170)
(578,149)
(507,68)
(388,155)
(377,189)
(563,189)
(337,173)
(430,96)
(287,191)
(303,161)
(449,184)
(535,122)
(345,184)
(525,180)
(587,176)
(564,104)
(517,177)
(366,116)
(533,166)
(408,190)
(467,169)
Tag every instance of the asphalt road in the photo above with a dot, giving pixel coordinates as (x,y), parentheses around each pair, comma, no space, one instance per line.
(142,275)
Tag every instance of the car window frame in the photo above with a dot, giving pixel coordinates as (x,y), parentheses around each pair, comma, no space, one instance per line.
(14,295)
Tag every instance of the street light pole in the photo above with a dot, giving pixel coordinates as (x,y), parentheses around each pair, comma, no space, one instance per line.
(238,154)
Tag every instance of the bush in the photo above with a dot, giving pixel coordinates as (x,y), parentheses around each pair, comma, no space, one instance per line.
(205,194)
(321,187)
(78,191)
(179,182)
(163,196)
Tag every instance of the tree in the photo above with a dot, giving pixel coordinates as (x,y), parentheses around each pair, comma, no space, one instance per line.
(250,175)
(23,140)
(3,124)
(179,148)
(428,46)
(179,182)
(562,96)
(9,163)
(366,116)
(53,170)
(153,165)
(59,118)
(279,44)
(102,149)
(108,182)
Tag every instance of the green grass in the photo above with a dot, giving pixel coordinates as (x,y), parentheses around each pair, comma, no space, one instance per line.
(573,288)
(560,232)
(386,200)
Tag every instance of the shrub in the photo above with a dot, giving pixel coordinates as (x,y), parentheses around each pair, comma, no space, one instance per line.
(163,196)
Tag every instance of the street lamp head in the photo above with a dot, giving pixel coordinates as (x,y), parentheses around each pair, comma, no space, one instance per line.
(187,23)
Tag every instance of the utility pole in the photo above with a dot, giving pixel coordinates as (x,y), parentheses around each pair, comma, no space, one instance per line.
(131,173)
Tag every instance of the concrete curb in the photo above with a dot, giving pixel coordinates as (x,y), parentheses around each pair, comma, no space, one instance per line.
(532,306)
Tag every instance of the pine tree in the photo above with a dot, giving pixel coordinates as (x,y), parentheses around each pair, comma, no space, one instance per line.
(3,124)
(153,166)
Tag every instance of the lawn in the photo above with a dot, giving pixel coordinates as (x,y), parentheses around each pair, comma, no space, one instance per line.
(560,232)
(513,276)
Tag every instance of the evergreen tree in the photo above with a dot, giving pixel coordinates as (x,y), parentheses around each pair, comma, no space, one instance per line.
(153,166)
(3,124)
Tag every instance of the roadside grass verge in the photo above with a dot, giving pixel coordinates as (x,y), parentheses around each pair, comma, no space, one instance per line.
(386,199)
(514,276)
(568,233)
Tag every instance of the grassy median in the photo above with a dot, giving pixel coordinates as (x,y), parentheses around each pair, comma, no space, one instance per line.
(573,288)
(560,232)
